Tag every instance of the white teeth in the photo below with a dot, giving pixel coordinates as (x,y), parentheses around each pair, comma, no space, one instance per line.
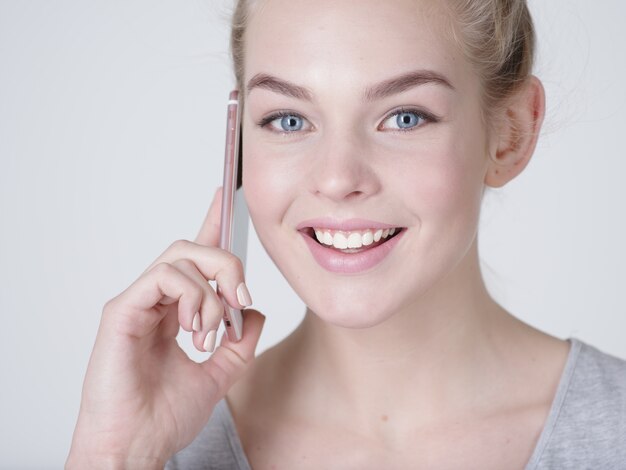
(340,241)
(368,238)
(343,240)
(328,239)
(355,240)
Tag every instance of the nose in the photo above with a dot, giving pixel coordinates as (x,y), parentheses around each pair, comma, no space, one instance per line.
(343,169)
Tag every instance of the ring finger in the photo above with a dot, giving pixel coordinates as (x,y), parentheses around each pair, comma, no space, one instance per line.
(205,322)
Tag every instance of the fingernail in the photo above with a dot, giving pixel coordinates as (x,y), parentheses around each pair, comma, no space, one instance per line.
(195,325)
(243,296)
(209,341)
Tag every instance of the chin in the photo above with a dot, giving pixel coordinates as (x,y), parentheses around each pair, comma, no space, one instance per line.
(341,309)
(353,320)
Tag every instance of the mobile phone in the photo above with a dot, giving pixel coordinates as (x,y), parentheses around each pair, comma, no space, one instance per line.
(235,216)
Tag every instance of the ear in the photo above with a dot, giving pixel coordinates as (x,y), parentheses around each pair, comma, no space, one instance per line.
(516,136)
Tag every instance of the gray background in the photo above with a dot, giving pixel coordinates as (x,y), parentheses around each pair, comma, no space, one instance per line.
(111,143)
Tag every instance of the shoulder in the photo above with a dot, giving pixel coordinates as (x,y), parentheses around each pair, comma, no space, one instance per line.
(598,382)
(217,446)
(588,425)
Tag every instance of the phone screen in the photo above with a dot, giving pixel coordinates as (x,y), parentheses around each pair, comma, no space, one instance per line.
(235,216)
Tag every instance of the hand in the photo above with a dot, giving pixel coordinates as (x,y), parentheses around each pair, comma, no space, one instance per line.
(143,398)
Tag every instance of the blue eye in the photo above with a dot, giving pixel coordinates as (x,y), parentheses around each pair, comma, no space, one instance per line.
(284,122)
(406,120)
(291,123)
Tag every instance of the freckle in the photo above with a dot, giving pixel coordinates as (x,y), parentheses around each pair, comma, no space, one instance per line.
(384,417)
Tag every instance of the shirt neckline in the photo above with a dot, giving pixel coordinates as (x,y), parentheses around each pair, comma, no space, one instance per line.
(542,442)
(557,403)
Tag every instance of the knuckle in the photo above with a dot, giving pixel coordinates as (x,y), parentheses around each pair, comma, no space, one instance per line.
(113,310)
(186,264)
(198,290)
(234,263)
(179,244)
(191,287)
(163,268)
(109,305)
(214,305)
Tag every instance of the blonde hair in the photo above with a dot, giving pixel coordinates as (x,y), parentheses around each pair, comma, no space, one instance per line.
(496,36)
(237,36)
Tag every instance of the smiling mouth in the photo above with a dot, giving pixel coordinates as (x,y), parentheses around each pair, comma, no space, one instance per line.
(351,241)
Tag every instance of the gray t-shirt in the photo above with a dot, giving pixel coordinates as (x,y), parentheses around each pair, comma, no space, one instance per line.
(585,429)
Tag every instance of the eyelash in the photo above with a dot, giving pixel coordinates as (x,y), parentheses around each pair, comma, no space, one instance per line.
(278,115)
(424,116)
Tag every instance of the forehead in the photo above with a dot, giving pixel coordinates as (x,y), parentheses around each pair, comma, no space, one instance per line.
(351,40)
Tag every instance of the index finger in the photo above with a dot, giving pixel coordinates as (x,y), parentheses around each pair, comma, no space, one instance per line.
(209,234)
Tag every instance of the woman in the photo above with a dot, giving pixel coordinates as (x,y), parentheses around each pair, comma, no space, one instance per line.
(380,124)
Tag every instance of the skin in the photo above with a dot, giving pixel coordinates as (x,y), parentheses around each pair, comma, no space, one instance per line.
(408,365)
(413,357)
(143,398)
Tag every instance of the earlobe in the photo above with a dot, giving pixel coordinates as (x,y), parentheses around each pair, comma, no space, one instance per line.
(517,134)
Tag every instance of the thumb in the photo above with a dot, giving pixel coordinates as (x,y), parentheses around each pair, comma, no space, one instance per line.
(230,360)
(209,234)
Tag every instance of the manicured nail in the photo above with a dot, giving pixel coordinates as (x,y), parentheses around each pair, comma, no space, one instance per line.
(195,325)
(209,341)
(243,296)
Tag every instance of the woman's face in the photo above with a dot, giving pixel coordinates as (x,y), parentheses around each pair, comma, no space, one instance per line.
(361,110)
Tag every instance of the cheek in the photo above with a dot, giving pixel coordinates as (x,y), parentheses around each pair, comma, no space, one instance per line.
(446,190)
(446,183)
(268,189)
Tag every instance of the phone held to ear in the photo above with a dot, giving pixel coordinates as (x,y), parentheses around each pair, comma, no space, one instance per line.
(234,220)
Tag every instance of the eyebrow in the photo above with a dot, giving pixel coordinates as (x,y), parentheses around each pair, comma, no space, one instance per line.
(269,82)
(376,92)
(404,82)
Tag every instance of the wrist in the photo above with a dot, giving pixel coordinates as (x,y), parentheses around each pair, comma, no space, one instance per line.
(96,448)
(79,461)
(94,451)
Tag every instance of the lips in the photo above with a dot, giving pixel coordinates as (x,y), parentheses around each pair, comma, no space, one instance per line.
(340,249)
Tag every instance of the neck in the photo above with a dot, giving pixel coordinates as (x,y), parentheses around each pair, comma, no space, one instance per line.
(431,358)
